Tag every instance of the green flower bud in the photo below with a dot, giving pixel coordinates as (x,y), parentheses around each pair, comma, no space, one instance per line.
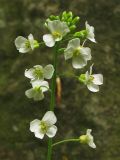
(81,34)
(69,19)
(70,14)
(75,20)
(64,15)
(73,27)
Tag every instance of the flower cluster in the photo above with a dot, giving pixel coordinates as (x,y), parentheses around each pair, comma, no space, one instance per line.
(60,28)
(39,85)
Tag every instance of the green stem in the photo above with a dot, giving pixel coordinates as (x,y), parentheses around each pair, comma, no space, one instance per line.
(52,101)
(66,140)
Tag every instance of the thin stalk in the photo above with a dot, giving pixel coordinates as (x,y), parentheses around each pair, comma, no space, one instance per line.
(52,100)
(65,141)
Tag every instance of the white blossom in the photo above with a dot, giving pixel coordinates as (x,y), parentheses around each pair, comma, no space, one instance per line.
(79,54)
(25,45)
(57,30)
(37,90)
(92,80)
(44,126)
(90,32)
(39,72)
(88,139)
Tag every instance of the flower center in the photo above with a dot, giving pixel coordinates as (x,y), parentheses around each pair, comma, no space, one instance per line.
(43,126)
(90,79)
(38,89)
(27,44)
(38,73)
(56,35)
(77,51)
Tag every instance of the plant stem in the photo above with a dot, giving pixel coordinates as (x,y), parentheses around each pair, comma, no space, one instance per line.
(66,140)
(52,100)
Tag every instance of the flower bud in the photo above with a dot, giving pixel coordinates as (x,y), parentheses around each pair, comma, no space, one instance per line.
(73,27)
(75,20)
(81,34)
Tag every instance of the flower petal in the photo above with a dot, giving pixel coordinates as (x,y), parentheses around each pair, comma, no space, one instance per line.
(50,118)
(49,40)
(30,93)
(92,144)
(93,87)
(38,96)
(39,134)
(29,73)
(24,50)
(34,125)
(31,40)
(36,83)
(86,52)
(51,132)
(89,131)
(74,43)
(68,53)
(90,30)
(44,86)
(87,76)
(78,62)
(98,79)
(48,71)
(20,42)
(58,26)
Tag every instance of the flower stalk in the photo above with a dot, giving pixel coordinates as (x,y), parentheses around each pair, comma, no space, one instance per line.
(66,140)
(52,100)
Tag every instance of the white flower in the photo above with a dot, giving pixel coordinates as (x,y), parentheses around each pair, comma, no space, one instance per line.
(90,32)
(79,54)
(38,72)
(88,139)
(92,80)
(58,30)
(44,126)
(37,90)
(24,45)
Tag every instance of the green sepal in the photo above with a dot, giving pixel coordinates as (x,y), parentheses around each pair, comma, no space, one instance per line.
(36,44)
(82,78)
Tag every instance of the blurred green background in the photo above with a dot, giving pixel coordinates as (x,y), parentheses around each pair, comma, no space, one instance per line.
(79,109)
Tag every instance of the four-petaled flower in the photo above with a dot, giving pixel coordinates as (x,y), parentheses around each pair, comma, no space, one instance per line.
(37,90)
(44,126)
(79,54)
(92,80)
(88,139)
(90,32)
(38,72)
(25,45)
(58,30)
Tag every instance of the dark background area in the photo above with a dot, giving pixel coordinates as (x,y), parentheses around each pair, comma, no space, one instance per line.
(79,109)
